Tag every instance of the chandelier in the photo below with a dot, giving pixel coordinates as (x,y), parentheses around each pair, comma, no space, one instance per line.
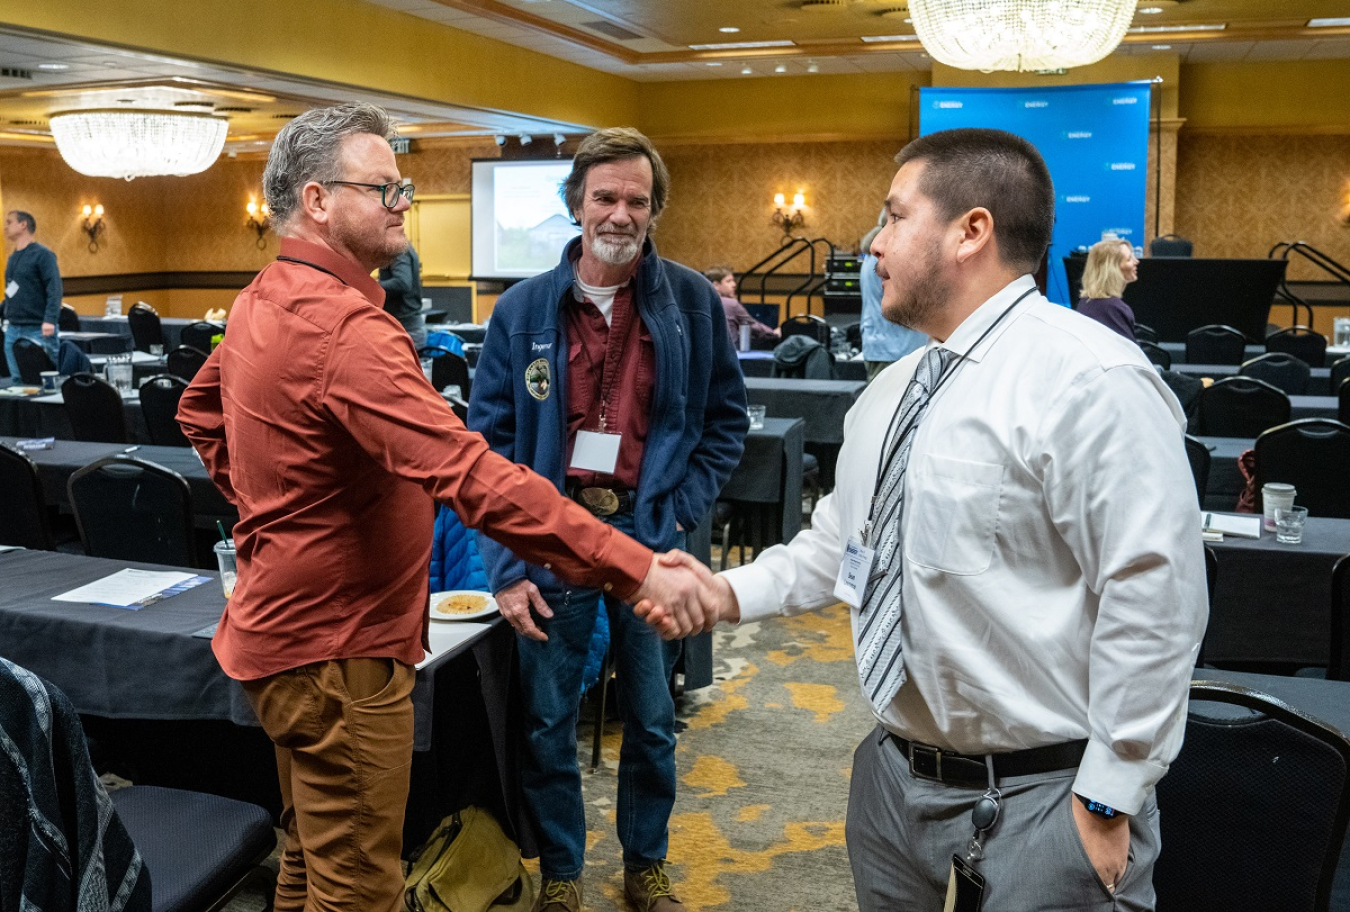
(138,143)
(1020,34)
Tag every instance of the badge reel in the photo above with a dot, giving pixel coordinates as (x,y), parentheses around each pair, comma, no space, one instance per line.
(965,887)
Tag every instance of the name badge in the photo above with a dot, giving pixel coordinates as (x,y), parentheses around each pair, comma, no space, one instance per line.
(854,569)
(596,452)
(11,289)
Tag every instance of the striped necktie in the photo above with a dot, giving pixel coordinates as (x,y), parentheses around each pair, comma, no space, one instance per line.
(880,665)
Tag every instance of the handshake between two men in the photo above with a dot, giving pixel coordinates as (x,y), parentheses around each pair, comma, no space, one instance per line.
(678,596)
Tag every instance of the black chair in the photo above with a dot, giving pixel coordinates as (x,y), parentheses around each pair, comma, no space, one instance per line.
(129,509)
(69,319)
(1215,344)
(1312,454)
(1241,407)
(146,329)
(199,848)
(1156,354)
(1343,403)
(807,325)
(1283,371)
(95,409)
(201,335)
(184,361)
(159,404)
(1170,245)
(1254,808)
(33,360)
(447,368)
(1338,668)
(1144,333)
(1339,373)
(1301,342)
(23,519)
(801,357)
(1197,454)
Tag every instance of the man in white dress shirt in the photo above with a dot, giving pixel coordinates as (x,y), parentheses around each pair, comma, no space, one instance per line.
(1044,579)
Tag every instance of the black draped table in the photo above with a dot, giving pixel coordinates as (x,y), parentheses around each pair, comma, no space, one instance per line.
(172,327)
(1319,384)
(765,490)
(821,403)
(56,465)
(760,364)
(1272,602)
(156,665)
(45,416)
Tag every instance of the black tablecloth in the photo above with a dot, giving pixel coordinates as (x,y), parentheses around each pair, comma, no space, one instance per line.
(45,416)
(766,486)
(1318,384)
(1178,352)
(822,403)
(1272,602)
(1312,407)
(172,327)
(469,332)
(99,343)
(760,364)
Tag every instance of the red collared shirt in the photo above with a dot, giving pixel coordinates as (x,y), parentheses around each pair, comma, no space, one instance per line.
(314,418)
(610,370)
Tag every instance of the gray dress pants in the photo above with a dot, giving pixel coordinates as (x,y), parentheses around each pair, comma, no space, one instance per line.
(903,830)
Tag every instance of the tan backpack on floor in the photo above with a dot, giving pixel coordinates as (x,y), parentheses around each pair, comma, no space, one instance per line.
(468,865)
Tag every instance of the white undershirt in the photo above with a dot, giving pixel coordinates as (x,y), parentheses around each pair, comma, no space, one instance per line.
(602,296)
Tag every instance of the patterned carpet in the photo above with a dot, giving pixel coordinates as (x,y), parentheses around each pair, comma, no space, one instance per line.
(763,764)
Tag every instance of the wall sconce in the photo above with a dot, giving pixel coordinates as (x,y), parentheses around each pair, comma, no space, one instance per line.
(93,224)
(260,220)
(793,217)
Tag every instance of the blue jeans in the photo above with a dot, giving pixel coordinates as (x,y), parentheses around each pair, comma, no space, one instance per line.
(551,684)
(13,331)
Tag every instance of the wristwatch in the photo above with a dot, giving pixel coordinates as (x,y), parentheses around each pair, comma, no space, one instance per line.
(1096,807)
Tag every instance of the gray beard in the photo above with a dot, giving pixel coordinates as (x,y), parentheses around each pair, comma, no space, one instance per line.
(615,250)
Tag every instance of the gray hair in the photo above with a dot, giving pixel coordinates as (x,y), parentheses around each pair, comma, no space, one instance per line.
(614,144)
(307,150)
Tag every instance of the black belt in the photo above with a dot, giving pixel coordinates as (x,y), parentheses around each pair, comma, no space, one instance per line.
(968,770)
(603,501)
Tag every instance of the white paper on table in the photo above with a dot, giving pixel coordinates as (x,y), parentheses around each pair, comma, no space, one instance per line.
(127,588)
(446,635)
(1243,526)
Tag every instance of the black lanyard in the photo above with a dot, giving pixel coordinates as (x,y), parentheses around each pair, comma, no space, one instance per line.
(890,453)
(288,259)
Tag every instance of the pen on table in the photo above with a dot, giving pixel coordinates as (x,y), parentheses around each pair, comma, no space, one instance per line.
(1209,517)
(131,449)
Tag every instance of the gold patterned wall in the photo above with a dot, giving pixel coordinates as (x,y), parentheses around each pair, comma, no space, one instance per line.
(1238,195)
(721,198)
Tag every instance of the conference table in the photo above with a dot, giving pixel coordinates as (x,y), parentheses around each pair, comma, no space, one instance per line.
(65,457)
(1178,352)
(765,490)
(821,403)
(149,679)
(469,332)
(41,414)
(757,363)
(100,343)
(171,327)
(1319,384)
(1272,602)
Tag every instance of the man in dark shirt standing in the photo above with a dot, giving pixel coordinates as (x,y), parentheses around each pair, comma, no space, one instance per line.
(612,376)
(313,418)
(402,284)
(32,290)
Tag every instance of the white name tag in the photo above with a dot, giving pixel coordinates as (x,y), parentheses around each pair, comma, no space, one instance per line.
(596,452)
(854,569)
(11,288)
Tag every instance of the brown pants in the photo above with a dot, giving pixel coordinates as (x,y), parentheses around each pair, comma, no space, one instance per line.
(343,731)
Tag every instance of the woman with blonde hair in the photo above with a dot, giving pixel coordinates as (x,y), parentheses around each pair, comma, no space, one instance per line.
(1111,265)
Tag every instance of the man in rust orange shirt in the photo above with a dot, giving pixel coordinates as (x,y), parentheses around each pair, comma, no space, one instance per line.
(314,418)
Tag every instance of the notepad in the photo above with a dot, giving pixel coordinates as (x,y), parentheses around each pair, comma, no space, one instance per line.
(1240,525)
(133,589)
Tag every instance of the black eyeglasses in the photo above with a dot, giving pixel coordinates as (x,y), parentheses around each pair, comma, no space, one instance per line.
(389,193)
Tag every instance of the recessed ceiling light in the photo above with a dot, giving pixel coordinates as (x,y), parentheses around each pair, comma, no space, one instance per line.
(713,63)
(729,29)
(1328,23)
(53,66)
(1149,10)
(1145,29)
(740,45)
(1162,47)
(746,71)
(874,39)
(813,67)
(781,68)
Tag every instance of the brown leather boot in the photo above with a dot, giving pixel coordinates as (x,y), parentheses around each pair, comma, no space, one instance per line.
(649,890)
(558,896)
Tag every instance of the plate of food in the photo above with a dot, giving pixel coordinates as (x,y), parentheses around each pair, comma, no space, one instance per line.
(462,605)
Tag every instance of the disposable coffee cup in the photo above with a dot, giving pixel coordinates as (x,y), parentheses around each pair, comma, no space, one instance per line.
(1275,496)
(1341,331)
(49,381)
(228,563)
(745,337)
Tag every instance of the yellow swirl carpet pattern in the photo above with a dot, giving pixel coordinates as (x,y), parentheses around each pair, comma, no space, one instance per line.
(763,763)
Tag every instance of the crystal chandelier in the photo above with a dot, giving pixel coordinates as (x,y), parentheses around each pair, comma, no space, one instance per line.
(138,143)
(1020,34)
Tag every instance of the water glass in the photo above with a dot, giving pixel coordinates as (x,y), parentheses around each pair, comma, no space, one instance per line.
(120,374)
(756,417)
(1289,525)
(427,364)
(156,350)
(1341,331)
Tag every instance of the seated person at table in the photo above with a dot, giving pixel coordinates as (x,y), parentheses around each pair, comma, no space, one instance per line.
(761,336)
(1111,265)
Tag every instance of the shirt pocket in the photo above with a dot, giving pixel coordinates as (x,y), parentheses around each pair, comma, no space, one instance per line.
(952,514)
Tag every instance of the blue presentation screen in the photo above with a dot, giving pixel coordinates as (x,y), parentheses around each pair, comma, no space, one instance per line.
(1094,139)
